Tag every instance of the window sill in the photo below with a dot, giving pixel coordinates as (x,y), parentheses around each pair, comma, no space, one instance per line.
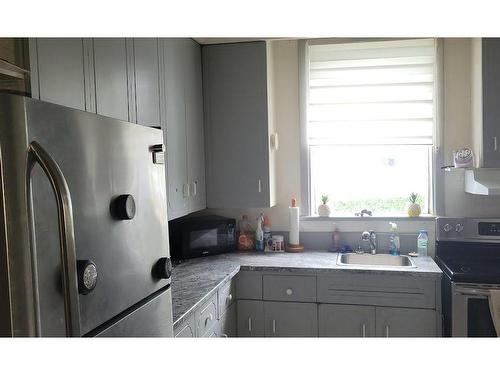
(426,217)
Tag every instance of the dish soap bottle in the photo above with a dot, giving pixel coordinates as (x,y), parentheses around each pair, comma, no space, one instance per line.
(422,241)
(267,234)
(394,245)
(336,238)
(259,234)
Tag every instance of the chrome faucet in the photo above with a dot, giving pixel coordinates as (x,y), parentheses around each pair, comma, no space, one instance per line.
(371,238)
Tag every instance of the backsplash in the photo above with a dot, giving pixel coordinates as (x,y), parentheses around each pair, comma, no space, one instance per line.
(323,241)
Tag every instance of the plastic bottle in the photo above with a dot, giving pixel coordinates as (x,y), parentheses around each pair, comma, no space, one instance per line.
(336,238)
(422,242)
(245,240)
(267,234)
(394,244)
(259,234)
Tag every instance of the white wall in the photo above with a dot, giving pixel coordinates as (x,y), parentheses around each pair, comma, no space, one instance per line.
(457,133)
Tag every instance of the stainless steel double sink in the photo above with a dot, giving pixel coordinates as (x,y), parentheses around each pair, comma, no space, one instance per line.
(374,260)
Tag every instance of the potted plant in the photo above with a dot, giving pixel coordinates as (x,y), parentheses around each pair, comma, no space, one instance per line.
(324,209)
(414,209)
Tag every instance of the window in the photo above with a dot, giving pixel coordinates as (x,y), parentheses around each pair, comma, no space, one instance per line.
(370,125)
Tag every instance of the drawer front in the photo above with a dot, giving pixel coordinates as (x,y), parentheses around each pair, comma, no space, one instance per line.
(378,290)
(226,297)
(290,288)
(206,316)
(187,328)
(249,285)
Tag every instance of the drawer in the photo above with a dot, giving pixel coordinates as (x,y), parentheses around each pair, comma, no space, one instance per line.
(289,288)
(187,328)
(378,290)
(249,285)
(226,297)
(206,316)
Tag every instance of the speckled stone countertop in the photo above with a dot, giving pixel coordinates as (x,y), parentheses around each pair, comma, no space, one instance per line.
(195,281)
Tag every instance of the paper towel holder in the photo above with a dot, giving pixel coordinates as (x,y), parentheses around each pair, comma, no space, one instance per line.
(294,248)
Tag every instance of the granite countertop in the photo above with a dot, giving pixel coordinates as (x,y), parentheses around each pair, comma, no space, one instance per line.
(195,280)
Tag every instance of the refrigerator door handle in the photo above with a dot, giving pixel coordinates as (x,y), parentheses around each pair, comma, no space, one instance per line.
(36,154)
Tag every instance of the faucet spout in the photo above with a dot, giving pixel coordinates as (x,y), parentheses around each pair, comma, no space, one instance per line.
(371,238)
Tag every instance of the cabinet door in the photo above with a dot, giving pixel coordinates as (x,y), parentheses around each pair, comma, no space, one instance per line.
(291,319)
(236,125)
(250,318)
(112,78)
(491,96)
(346,321)
(194,127)
(187,328)
(174,66)
(147,84)
(401,322)
(227,322)
(58,74)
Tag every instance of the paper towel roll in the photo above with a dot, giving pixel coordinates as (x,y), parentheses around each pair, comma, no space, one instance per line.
(294,225)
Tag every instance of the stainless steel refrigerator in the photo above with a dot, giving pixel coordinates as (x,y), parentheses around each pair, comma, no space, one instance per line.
(83,219)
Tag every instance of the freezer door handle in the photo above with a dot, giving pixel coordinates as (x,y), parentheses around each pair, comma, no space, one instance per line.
(36,154)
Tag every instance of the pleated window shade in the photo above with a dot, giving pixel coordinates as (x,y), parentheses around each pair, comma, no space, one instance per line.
(379,92)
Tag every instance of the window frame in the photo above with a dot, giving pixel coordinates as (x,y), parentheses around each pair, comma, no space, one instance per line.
(436,177)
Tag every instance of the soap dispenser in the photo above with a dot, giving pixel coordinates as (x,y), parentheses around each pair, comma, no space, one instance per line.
(394,244)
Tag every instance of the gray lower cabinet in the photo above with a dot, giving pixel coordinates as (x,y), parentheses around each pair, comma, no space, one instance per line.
(250,318)
(227,323)
(187,328)
(401,322)
(112,77)
(58,71)
(346,321)
(290,319)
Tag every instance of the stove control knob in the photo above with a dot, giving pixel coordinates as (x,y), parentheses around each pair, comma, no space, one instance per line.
(459,228)
(447,227)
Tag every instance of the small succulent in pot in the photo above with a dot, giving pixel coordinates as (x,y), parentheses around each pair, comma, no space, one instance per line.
(324,209)
(414,209)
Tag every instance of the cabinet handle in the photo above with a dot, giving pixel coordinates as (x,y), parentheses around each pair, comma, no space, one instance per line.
(260,185)
(274,325)
(224,336)
(250,324)
(289,291)
(208,319)
(185,190)
(195,188)
(364,330)
(229,298)
(495,143)
(386,330)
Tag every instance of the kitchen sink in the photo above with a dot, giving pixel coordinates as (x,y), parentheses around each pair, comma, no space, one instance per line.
(384,260)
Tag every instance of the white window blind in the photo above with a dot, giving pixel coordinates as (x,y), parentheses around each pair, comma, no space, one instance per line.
(371,93)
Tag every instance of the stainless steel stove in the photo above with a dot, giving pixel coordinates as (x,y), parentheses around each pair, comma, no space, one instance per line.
(468,252)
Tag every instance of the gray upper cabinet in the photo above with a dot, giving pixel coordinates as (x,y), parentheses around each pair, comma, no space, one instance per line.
(290,319)
(401,322)
(112,78)
(58,71)
(346,321)
(194,128)
(183,127)
(491,97)
(147,82)
(238,124)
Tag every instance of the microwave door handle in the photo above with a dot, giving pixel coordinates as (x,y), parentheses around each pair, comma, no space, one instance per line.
(36,154)
(475,291)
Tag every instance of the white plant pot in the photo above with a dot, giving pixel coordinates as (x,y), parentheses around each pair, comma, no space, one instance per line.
(323,210)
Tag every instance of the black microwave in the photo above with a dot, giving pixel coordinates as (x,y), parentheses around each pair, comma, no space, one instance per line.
(199,236)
